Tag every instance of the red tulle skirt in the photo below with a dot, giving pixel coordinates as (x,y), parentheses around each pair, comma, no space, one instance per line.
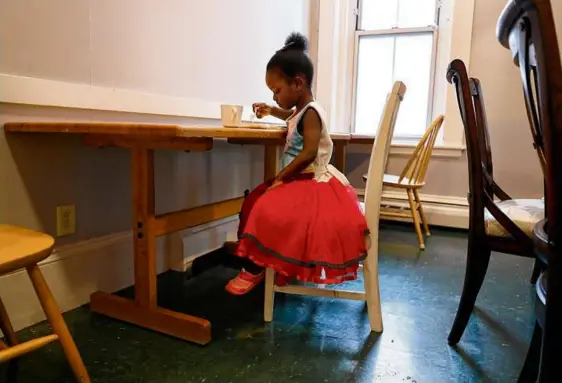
(304,229)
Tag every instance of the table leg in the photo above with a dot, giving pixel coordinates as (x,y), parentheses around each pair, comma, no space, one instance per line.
(143,311)
(144,241)
(339,155)
(270,170)
(271,162)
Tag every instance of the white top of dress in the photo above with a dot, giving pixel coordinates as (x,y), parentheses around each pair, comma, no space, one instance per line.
(323,171)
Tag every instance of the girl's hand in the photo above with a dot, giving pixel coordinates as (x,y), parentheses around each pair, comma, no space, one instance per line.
(261,109)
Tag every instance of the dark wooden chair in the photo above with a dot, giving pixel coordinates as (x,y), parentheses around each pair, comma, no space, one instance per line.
(530,371)
(527,29)
(504,226)
(491,186)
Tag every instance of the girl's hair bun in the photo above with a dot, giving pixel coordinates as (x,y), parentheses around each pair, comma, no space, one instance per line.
(296,41)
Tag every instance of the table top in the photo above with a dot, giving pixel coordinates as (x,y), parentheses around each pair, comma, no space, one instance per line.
(154,130)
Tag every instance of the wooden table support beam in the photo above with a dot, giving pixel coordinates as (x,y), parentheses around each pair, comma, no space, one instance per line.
(168,322)
(163,143)
(180,220)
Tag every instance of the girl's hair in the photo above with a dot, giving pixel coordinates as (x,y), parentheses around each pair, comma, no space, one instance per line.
(292,59)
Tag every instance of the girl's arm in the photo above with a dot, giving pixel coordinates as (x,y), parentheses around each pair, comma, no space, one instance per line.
(281,114)
(261,110)
(312,129)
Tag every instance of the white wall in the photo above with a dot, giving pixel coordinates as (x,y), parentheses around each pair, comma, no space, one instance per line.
(213,50)
(199,53)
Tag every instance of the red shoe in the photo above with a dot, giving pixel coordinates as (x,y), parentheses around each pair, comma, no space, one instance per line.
(244,282)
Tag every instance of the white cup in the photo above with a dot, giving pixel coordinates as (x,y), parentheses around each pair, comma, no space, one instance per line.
(231,115)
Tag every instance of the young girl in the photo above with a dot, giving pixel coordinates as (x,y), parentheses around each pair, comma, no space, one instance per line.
(306,223)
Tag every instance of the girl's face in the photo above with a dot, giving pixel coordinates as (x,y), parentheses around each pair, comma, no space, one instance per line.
(286,92)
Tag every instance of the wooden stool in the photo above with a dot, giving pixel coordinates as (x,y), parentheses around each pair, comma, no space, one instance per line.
(21,248)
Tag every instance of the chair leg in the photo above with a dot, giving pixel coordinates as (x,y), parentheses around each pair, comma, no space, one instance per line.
(538,268)
(477,260)
(415,218)
(530,371)
(422,214)
(371,283)
(58,324)
(269,298)
(6,326)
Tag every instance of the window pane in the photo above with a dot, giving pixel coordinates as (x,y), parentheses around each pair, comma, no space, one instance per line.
(383,59)
(412,119)
(416,13)
(378,14)
(374,81)
(386,14)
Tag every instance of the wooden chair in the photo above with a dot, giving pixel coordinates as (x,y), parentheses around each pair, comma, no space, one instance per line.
(530,371)
(504,226)
(492,187)
(412,179)
(527,29)
(21,248)
(373,193)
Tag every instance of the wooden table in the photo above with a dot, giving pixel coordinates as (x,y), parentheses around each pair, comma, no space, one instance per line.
(363,139)
(142,140)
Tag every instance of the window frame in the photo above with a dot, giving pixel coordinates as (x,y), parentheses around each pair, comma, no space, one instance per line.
(332,27)
(431,88)
(396,31)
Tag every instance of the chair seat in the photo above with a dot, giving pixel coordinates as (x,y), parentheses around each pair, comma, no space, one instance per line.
(392,180)
(525,213)
(21,247)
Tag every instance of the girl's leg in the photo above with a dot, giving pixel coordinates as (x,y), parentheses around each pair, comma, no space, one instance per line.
(251,267)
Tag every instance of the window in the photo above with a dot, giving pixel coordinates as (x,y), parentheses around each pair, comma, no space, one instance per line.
(395,40)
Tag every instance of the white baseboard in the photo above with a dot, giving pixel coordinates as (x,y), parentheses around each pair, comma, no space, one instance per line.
(403,148)
(75,271)
(204,239)
(446,211)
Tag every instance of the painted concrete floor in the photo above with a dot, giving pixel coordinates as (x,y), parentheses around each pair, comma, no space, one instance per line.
(315,339)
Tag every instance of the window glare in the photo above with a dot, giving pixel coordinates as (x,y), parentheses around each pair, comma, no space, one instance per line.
(383,59)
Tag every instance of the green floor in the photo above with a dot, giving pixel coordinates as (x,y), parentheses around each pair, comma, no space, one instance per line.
(314,339)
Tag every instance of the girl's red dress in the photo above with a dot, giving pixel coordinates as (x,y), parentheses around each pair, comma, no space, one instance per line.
(310,228)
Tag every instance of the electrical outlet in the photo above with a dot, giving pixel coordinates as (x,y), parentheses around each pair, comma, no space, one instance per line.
(66,220)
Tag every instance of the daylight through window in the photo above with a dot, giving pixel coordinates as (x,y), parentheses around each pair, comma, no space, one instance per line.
(395,40)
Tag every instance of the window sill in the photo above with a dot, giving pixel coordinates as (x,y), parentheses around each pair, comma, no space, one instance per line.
(439,150)
(362,144)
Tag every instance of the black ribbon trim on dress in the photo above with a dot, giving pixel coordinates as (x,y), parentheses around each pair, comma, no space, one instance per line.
(311,264)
